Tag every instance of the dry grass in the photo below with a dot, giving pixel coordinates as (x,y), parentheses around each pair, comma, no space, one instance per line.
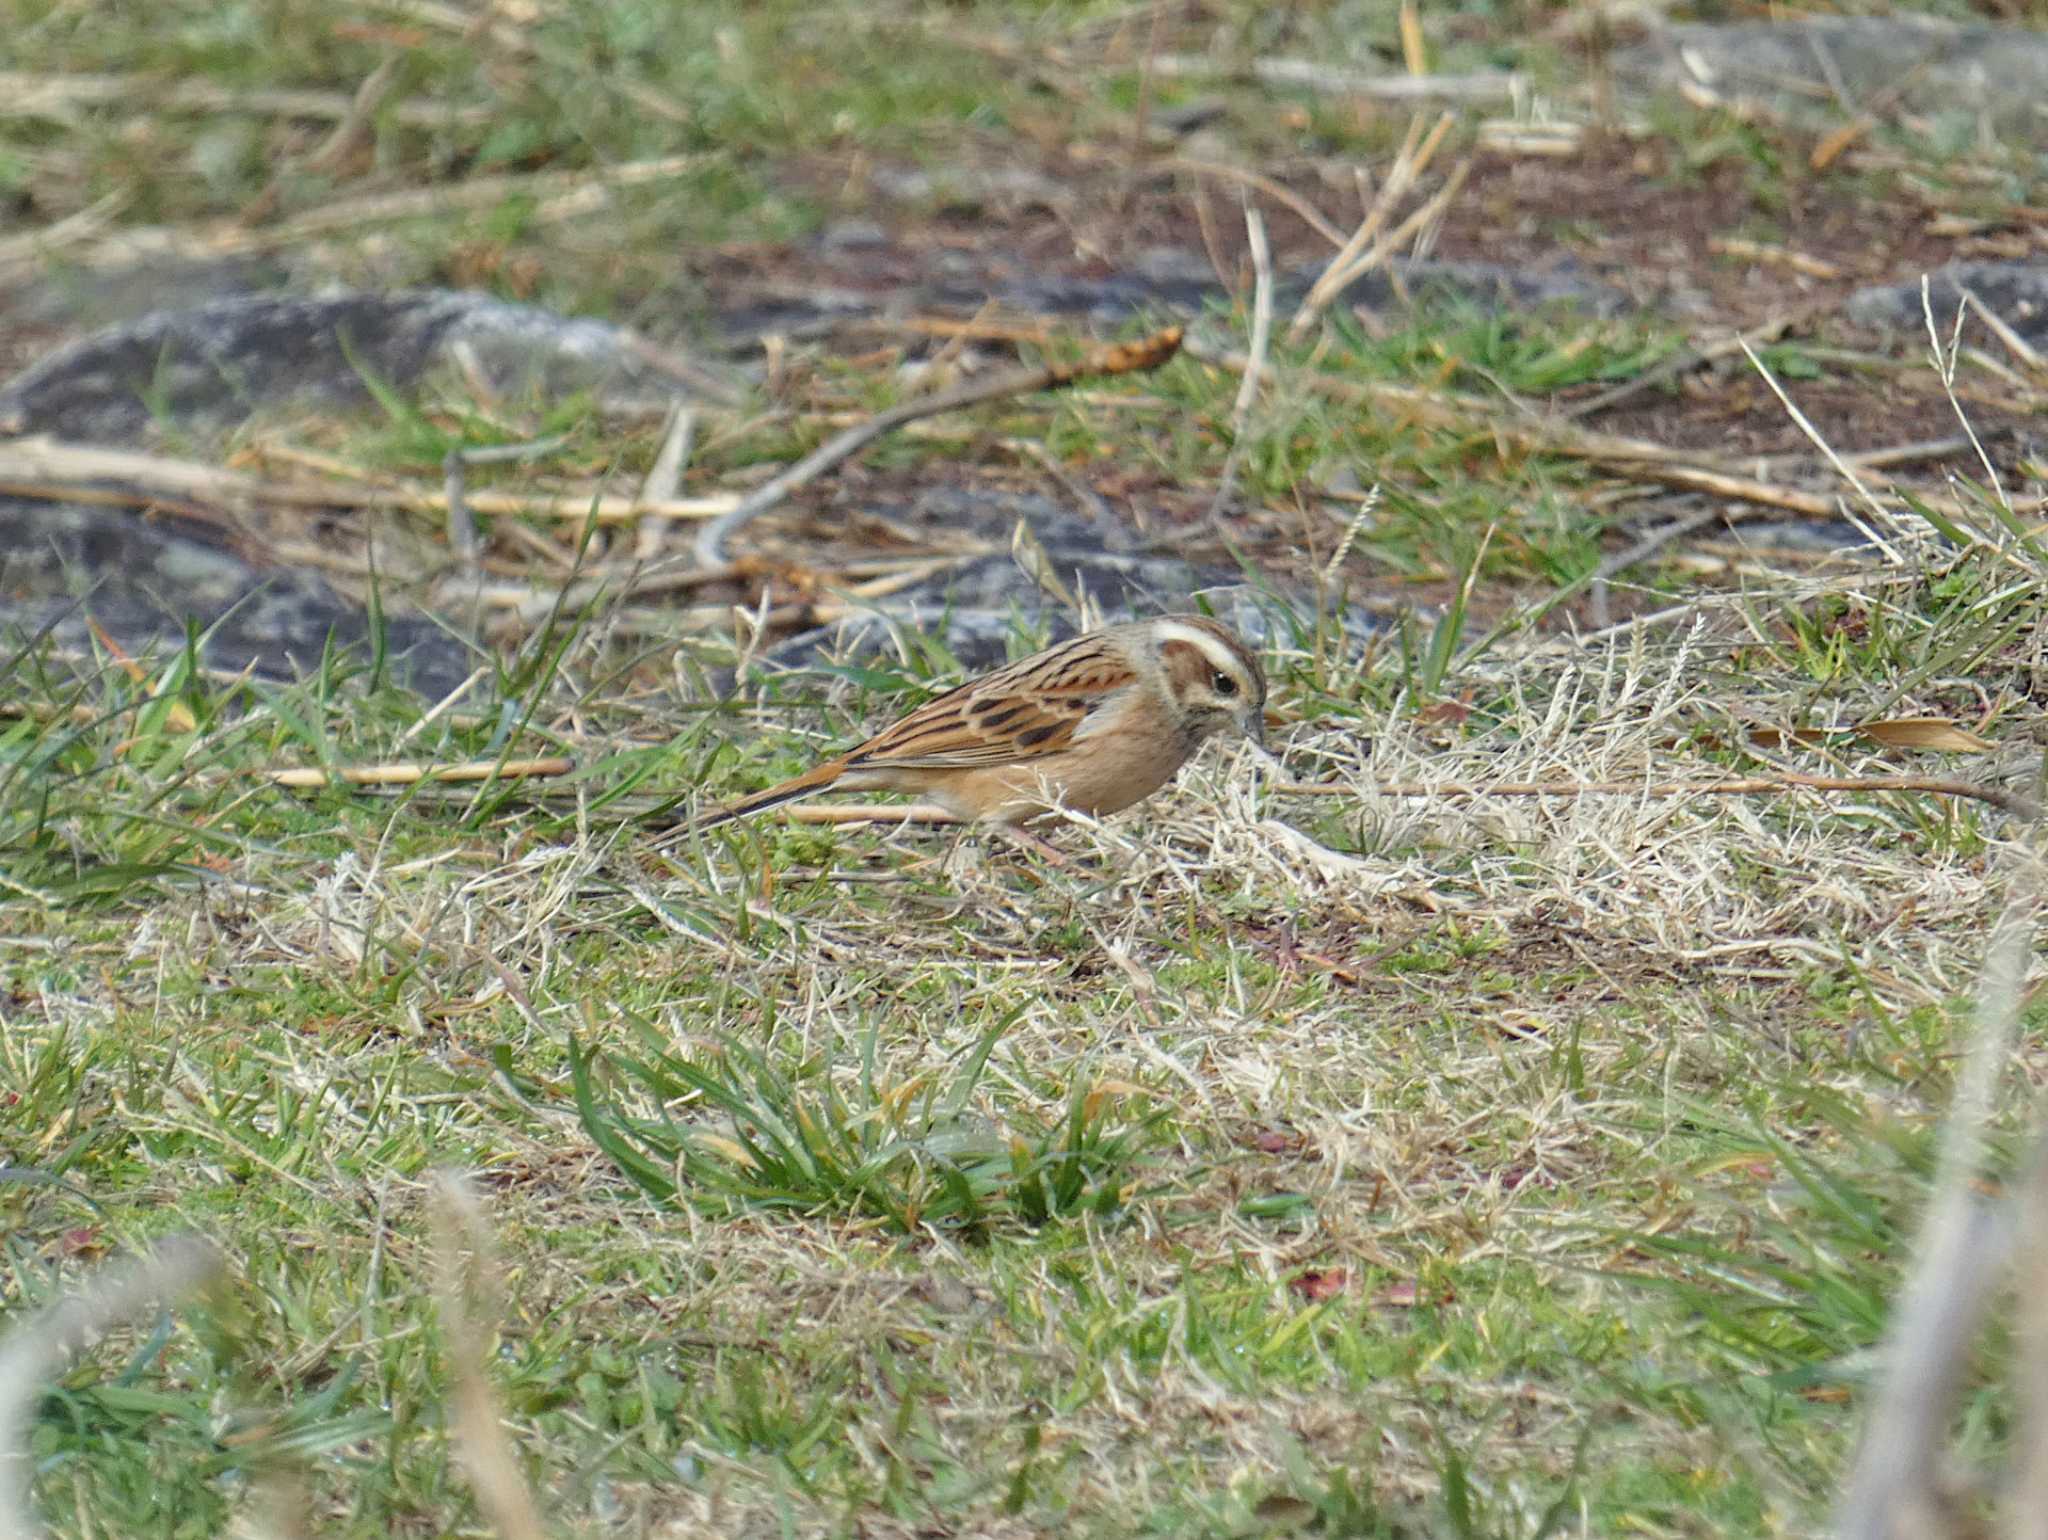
(1409,1087)
(1360,1163)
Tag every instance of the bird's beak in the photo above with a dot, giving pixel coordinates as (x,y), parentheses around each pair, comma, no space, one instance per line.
(1255,729)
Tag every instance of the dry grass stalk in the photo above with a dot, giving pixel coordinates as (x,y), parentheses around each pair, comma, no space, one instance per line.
(38,1347)
(1842,468)
(1255,359)
(1688,359)
(1116,358)
(664,480)
(231,237)
(2014,343)
(1743,786)
(1362,251)
(1643,459)
(854,812)
(34,245)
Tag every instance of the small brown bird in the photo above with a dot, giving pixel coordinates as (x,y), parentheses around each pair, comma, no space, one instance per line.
(1093,724)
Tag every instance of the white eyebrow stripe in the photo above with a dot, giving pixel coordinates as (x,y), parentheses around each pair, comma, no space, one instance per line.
(1220,654)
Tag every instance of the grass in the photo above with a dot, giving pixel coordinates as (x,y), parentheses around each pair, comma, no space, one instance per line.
(975,1196)
(1347,1165)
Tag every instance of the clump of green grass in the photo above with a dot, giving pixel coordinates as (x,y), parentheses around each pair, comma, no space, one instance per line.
(913,1155)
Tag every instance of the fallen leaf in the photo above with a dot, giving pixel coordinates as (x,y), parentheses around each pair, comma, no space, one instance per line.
(1322,1283)
(1444,713)
(84,1243)
(1925,733)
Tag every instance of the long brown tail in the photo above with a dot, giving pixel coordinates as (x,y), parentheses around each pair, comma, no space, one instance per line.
(815,779)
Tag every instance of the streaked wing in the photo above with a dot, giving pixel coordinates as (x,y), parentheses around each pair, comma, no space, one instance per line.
(1029,710)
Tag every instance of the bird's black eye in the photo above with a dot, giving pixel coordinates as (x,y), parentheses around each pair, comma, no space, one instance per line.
(1224,685)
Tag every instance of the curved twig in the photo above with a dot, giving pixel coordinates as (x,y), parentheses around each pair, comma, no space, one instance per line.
(1116,358)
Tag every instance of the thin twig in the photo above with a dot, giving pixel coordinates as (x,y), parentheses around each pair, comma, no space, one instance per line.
(1644,549)
(1117,358)
(1687,359)
(1279,192)
(1090,501)
(664,480)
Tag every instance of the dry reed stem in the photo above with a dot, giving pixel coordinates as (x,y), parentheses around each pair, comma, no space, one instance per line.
(1408,229)
(412,774)
(41,466)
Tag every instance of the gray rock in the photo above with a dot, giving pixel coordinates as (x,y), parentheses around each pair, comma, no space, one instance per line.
(1187,288)
(978,607)
(2015,292)
(1822,70)
(143,581)
(212,366)
(205,369)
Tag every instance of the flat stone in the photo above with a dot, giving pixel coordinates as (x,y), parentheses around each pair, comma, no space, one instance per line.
(142,581)
(210,367)
(1958,80)
(2015,292)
